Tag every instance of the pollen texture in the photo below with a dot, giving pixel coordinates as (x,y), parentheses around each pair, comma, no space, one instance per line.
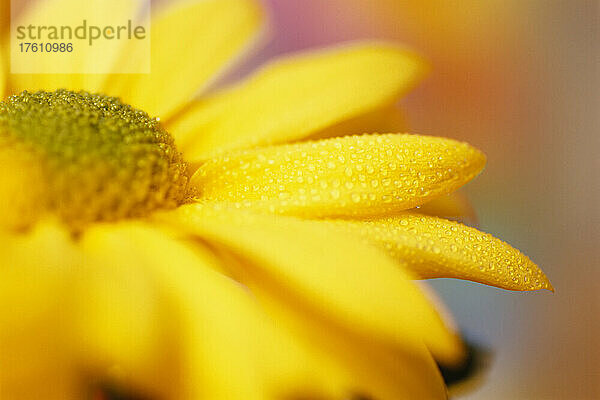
(100,159)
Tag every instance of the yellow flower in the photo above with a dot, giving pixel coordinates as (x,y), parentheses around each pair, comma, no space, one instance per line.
(273,258)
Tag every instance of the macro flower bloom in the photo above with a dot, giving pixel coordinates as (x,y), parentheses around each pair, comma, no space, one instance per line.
(258,242)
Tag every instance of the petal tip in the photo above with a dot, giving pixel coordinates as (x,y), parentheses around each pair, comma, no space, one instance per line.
(476,159)
(403,57)
(547,285)
(539,282)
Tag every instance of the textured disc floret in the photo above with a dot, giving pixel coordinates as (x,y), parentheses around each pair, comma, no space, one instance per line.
(99,159)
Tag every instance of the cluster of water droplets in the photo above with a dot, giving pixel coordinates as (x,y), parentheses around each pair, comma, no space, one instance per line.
(102,159)
(438,248)
(352,175)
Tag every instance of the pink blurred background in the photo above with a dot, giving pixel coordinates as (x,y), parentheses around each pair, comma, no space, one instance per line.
(520,80)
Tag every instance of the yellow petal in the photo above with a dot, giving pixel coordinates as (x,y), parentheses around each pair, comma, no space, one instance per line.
(297,96)
(437,248)
(217,331)
(37,358)
(22,188)
(121,316)
(71,316)
(69,13)
(349,176)
(325,274)
(353,365)
(366,367)
(455,206)
(389,118)
(190,42)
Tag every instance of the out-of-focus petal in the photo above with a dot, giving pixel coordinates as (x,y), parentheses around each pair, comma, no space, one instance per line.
(298,96)
(349,176)
(369,369)
(455,206)
(437,248)
(325,273)
(214,329)
(122,316)
(191,41)
(22,189)
(388,118)
(37,357)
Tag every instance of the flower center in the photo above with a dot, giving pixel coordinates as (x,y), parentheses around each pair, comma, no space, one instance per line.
(84,157)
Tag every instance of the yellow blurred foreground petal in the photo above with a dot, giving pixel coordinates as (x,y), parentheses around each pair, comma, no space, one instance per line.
(222,344)
(328,275)
(124,317)
(37,355)
(297,96)
(370,369)
(349,176)
(437,248)
(22,188)
(388,118)
(191,41)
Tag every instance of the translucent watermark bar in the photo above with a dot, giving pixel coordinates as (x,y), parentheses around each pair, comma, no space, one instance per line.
(77,36)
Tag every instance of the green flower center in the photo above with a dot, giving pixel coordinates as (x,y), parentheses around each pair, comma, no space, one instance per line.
(88,158)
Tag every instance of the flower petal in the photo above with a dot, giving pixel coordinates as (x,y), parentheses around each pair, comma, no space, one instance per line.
(369,369)
(328,275)
(349,176)
(190,42)
(455,206)
(355,367)
(37,358)
(388,118)
(437,248)
(297,96)
(22,189)
(122,317)
(218,330)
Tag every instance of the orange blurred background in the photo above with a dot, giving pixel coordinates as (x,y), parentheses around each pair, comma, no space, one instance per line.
(520,80)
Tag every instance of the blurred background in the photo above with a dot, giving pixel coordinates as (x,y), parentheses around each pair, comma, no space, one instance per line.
(521,81)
